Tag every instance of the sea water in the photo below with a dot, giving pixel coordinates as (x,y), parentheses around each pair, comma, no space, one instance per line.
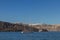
(30,36)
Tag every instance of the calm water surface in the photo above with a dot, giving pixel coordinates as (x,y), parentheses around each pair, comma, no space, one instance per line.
(30,36)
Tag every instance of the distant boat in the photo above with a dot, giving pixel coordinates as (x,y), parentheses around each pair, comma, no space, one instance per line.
(22,32)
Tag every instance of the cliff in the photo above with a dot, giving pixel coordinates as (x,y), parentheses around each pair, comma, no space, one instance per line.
(15,27)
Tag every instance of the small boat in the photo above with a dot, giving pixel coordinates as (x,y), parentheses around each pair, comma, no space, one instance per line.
(22,32)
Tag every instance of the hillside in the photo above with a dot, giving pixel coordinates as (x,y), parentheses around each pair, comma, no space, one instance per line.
(15,27)
(7,26)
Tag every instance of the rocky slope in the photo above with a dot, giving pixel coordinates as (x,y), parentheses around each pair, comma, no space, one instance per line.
(15,27)
(7,26)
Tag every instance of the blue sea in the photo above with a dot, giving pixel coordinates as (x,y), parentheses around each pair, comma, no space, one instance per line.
(30,36)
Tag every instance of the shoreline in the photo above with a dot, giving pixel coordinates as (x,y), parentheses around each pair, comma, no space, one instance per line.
(21,27)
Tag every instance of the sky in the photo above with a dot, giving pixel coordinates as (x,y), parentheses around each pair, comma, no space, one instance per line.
(30,11)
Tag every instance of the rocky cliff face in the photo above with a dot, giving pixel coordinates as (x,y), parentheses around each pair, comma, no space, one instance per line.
(7,26)
(55,27)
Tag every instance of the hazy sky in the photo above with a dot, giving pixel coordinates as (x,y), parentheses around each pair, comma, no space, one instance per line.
(30,11)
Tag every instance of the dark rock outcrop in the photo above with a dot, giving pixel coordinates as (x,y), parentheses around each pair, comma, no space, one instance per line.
(44,30)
